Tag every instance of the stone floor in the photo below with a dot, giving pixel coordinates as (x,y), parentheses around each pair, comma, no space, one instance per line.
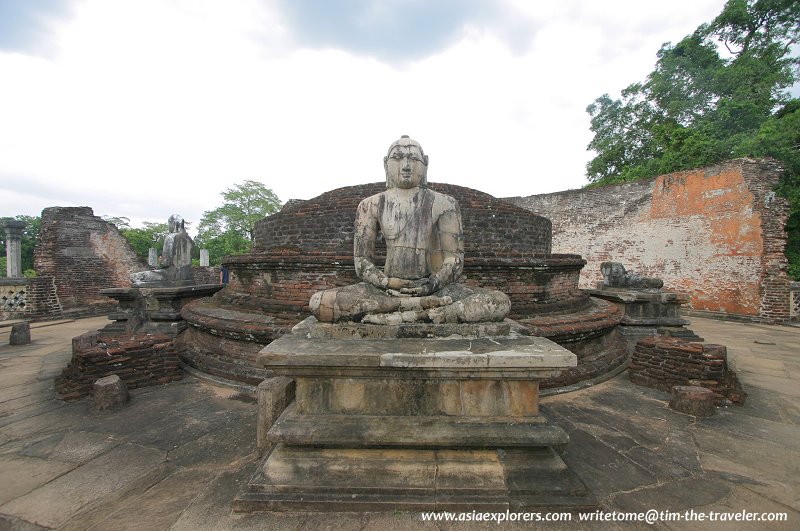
(176,455)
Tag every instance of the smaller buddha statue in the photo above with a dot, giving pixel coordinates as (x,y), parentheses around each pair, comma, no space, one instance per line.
(176,256)
(616,276)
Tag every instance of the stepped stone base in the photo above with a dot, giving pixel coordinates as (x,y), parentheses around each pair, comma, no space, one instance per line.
(425,417)
(379,479)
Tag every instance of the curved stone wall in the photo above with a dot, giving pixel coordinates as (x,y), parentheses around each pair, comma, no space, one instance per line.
(308,247)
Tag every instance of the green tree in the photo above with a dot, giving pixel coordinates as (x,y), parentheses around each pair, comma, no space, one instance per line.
(30,236)
(150,234)
(229,228)
(699,106)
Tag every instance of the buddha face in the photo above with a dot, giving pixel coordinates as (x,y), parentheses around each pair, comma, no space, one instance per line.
(406,165)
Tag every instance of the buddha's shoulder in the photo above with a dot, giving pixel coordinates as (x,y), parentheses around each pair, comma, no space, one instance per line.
(442,200)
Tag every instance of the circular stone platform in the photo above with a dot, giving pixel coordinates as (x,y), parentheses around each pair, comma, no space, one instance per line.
(308,247)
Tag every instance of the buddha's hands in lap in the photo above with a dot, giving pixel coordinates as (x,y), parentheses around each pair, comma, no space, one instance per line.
(421,287)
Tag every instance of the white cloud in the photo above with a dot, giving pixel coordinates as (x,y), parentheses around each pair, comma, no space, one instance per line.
(152,107)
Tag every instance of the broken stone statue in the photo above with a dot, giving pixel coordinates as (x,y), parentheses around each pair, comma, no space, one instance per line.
(424,255)
(615,276)
(176,257)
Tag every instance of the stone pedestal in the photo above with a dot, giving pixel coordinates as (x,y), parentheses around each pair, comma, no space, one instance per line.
(648,313)
(434,417)
(153,309)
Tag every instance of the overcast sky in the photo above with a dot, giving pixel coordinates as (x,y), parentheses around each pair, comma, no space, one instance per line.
(142,108)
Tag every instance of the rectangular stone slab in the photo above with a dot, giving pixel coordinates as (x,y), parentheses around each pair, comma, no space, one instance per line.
(332,479)
(362,431)
(521,357)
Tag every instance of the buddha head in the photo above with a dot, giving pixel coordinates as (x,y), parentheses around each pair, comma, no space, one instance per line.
(406,164)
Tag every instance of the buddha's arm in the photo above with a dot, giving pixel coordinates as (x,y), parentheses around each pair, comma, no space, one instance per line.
(451,239)
(366,230)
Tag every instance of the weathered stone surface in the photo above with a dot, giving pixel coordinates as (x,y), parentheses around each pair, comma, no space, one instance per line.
(333,479)
(413,423)
(442,357)
(20,474)
(693,400)
(445,431)
(155,309)
(20,334)
(273,395)
(616,276)
(56,502)
(110,393)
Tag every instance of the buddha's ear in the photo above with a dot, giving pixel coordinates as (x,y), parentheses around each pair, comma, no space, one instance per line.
(386,169)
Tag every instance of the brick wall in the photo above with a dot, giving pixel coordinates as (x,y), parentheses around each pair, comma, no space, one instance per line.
(83,254)
(34,299)
(206,275)
(491,226)
(140,360)
(716,233)
(662,362)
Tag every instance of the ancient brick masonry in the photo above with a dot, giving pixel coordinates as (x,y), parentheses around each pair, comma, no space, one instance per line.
(662,362)
(491,226)
(140,360)
(716,233)
(34,299)
(43,299)
(83,254)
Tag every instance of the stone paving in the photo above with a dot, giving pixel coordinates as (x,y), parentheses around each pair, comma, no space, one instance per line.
(176,455)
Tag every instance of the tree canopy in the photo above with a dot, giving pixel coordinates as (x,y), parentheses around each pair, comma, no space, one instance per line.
(229,228)
(719,93)
(150,234)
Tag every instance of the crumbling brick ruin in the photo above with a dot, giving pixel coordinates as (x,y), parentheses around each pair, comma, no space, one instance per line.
(716,233)
(662,362)
(140,360)
(83,254)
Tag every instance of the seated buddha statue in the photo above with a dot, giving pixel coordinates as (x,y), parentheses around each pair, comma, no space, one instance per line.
(419,281)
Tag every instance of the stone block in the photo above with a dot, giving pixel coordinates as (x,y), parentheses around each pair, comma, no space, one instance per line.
(20,334)
(273,394)
(693,400)
(110,392)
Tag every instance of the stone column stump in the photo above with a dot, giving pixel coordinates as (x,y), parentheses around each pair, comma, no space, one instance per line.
(20,334)
(693,400)
(110,392)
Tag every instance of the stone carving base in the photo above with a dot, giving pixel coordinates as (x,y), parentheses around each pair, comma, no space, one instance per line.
(446,417)
(379,479)
(648,313)
(153,309)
